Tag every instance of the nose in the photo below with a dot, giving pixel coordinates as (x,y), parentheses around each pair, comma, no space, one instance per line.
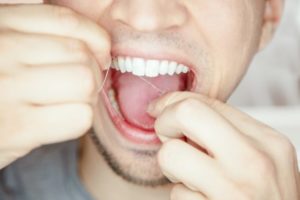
(149,15)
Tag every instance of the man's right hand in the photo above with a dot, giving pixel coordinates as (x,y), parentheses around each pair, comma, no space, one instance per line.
(49,58)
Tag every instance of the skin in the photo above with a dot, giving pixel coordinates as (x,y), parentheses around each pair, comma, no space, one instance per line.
(218,39)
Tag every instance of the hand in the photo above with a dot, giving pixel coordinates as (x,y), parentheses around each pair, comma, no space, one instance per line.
(49,69)
(242,159)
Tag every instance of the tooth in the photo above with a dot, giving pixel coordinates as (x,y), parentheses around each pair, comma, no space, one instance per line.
(138,67)
(112,99)
(115,63)
(127,62)
(152,68)
(128,65)
(163,68)
(115,106)
(185,69)
(179,69)
(111,93)
(172,68)
(121,63)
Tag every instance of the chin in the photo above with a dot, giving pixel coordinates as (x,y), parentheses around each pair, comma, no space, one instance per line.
(124,130)
(135,163)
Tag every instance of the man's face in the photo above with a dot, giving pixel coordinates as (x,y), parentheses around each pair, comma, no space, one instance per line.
(214,39)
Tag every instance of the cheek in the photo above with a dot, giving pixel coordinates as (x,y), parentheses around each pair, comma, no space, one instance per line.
(223,24)
(231,30)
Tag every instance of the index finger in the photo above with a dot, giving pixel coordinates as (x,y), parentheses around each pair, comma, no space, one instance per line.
(61,21)
(248,125)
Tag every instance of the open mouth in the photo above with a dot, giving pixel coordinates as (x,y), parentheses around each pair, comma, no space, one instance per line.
(132,84)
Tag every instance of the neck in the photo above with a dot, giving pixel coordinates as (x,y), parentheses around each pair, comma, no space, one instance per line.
(102,183)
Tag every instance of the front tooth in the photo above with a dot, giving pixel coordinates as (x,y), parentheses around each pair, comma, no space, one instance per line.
(138,67)
(126,62)
(179,69)
(152,68)
(121,63)
(163,68)
(128,66)
(172,68)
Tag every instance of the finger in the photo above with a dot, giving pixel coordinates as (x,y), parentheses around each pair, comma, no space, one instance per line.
(207,128)
(267,146)
(54,20)
(244,122)
(257,131)
(196,170)
(57,123)
(56,84)
(36,49)
(180,192)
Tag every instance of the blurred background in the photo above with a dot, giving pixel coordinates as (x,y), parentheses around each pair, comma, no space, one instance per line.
(270,91)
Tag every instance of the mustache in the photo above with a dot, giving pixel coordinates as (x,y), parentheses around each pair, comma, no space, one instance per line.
(173,40)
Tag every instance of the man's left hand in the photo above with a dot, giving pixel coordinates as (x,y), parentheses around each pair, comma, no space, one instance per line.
(227,155)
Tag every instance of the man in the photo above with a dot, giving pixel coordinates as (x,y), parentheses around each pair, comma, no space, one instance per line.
(151,78)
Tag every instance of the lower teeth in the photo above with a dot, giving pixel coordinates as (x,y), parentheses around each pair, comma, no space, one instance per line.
(113,101)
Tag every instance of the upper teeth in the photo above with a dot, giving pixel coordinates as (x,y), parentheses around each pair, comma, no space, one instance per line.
(149,68)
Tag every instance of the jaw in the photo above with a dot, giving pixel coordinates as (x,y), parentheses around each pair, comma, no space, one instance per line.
(135,162)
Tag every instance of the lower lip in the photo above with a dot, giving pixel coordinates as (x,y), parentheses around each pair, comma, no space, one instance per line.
(129,132)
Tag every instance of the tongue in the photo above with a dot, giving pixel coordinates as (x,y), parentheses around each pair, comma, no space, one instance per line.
(134,95)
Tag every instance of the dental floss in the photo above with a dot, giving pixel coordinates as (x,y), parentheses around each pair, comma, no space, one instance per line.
(105,79)
(143,79)
(153,86)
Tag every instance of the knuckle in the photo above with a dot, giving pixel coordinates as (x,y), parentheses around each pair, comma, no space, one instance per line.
(184,108)
(20,136)
(215,103)
(75,45)
(263,166)
(9,116)
(7,40)
(285,145)
(86,113)
(67,17)
(80,48)
(85,58)
(87,79)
